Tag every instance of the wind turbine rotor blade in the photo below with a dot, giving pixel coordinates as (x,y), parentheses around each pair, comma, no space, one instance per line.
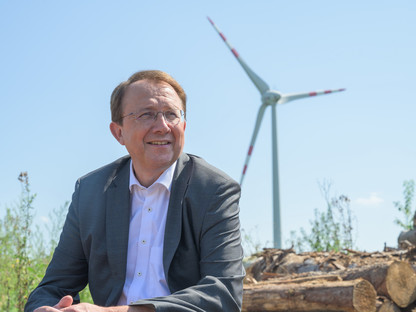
(253,140)
(295,96)
(258,82)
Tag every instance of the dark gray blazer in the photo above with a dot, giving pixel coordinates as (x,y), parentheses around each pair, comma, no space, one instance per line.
(202,254)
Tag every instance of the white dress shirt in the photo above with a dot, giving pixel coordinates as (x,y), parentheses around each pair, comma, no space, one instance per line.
(145,277)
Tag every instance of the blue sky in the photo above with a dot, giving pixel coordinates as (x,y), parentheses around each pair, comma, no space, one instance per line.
(61,60)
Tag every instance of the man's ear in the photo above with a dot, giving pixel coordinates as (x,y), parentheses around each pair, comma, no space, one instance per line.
(117,132)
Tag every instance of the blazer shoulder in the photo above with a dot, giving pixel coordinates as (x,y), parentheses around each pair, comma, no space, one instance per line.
(107,172)
(207,174)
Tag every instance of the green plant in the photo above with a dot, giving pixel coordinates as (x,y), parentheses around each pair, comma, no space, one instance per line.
(406,208)
(15,229)
(331,230)
(24,255)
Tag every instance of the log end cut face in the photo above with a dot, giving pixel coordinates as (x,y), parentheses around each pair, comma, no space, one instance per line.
(364,297)
(401,283)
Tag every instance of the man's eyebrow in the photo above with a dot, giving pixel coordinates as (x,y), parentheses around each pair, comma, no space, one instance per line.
(152,108)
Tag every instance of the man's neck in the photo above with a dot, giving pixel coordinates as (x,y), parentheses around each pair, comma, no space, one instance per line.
(146,179)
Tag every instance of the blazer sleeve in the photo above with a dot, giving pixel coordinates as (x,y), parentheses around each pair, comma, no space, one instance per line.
(67,272)
(220,287)
(89,247)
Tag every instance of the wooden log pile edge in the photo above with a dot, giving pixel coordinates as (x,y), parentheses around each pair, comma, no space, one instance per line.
(289,282)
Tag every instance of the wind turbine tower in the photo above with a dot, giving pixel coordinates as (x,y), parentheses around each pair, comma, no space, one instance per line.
(269,98)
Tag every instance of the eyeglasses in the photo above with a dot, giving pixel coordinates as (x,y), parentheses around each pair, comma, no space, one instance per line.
(172,116)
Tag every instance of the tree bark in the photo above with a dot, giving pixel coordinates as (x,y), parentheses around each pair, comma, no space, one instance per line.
(341,296)
(297,280)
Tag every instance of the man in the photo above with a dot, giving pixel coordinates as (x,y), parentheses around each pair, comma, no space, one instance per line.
(157,230)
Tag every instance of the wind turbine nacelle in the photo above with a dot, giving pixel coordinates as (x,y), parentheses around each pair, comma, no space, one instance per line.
(270,97)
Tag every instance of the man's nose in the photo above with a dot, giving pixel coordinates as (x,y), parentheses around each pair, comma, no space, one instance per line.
(160,121)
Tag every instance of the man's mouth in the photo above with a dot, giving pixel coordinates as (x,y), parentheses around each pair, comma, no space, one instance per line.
(159,143)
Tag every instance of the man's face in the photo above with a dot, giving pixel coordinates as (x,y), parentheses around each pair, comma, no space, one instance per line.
(153,146)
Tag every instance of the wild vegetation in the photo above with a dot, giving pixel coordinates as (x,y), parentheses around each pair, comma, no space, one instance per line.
(24,252)
(331,230)
(405,208)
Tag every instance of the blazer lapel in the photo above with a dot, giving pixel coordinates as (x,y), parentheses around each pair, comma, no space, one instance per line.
(117,227)
(174,217)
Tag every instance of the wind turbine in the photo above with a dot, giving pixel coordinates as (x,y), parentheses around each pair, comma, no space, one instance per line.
(269,98)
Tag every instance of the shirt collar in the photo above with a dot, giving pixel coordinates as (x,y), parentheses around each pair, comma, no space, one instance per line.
(165,178)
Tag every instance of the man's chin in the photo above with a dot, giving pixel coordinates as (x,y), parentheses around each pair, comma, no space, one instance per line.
(160,162)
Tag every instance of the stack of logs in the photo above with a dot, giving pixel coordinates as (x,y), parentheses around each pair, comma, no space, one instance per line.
(281,280)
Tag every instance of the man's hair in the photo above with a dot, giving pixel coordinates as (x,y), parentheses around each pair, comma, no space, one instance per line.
(151,75)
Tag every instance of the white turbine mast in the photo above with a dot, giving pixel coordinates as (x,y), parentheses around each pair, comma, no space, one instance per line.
(269,98)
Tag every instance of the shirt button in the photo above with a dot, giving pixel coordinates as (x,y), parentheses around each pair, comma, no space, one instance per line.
(144,242)
(149,209)
(139,273)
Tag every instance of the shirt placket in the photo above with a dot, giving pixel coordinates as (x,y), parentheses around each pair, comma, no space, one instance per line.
(143,243)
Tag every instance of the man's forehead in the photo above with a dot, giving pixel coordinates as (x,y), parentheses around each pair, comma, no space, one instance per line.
(144,89)
(151,85)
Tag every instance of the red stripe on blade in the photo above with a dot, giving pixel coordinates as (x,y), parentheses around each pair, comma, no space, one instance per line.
(235,53)
(312,93)
(327,91)
(250,150)
(245,168)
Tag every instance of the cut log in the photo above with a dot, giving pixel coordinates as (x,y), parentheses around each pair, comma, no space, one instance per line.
(341,296)
(297,280)
(375,274)
(395,280)
(401,283)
